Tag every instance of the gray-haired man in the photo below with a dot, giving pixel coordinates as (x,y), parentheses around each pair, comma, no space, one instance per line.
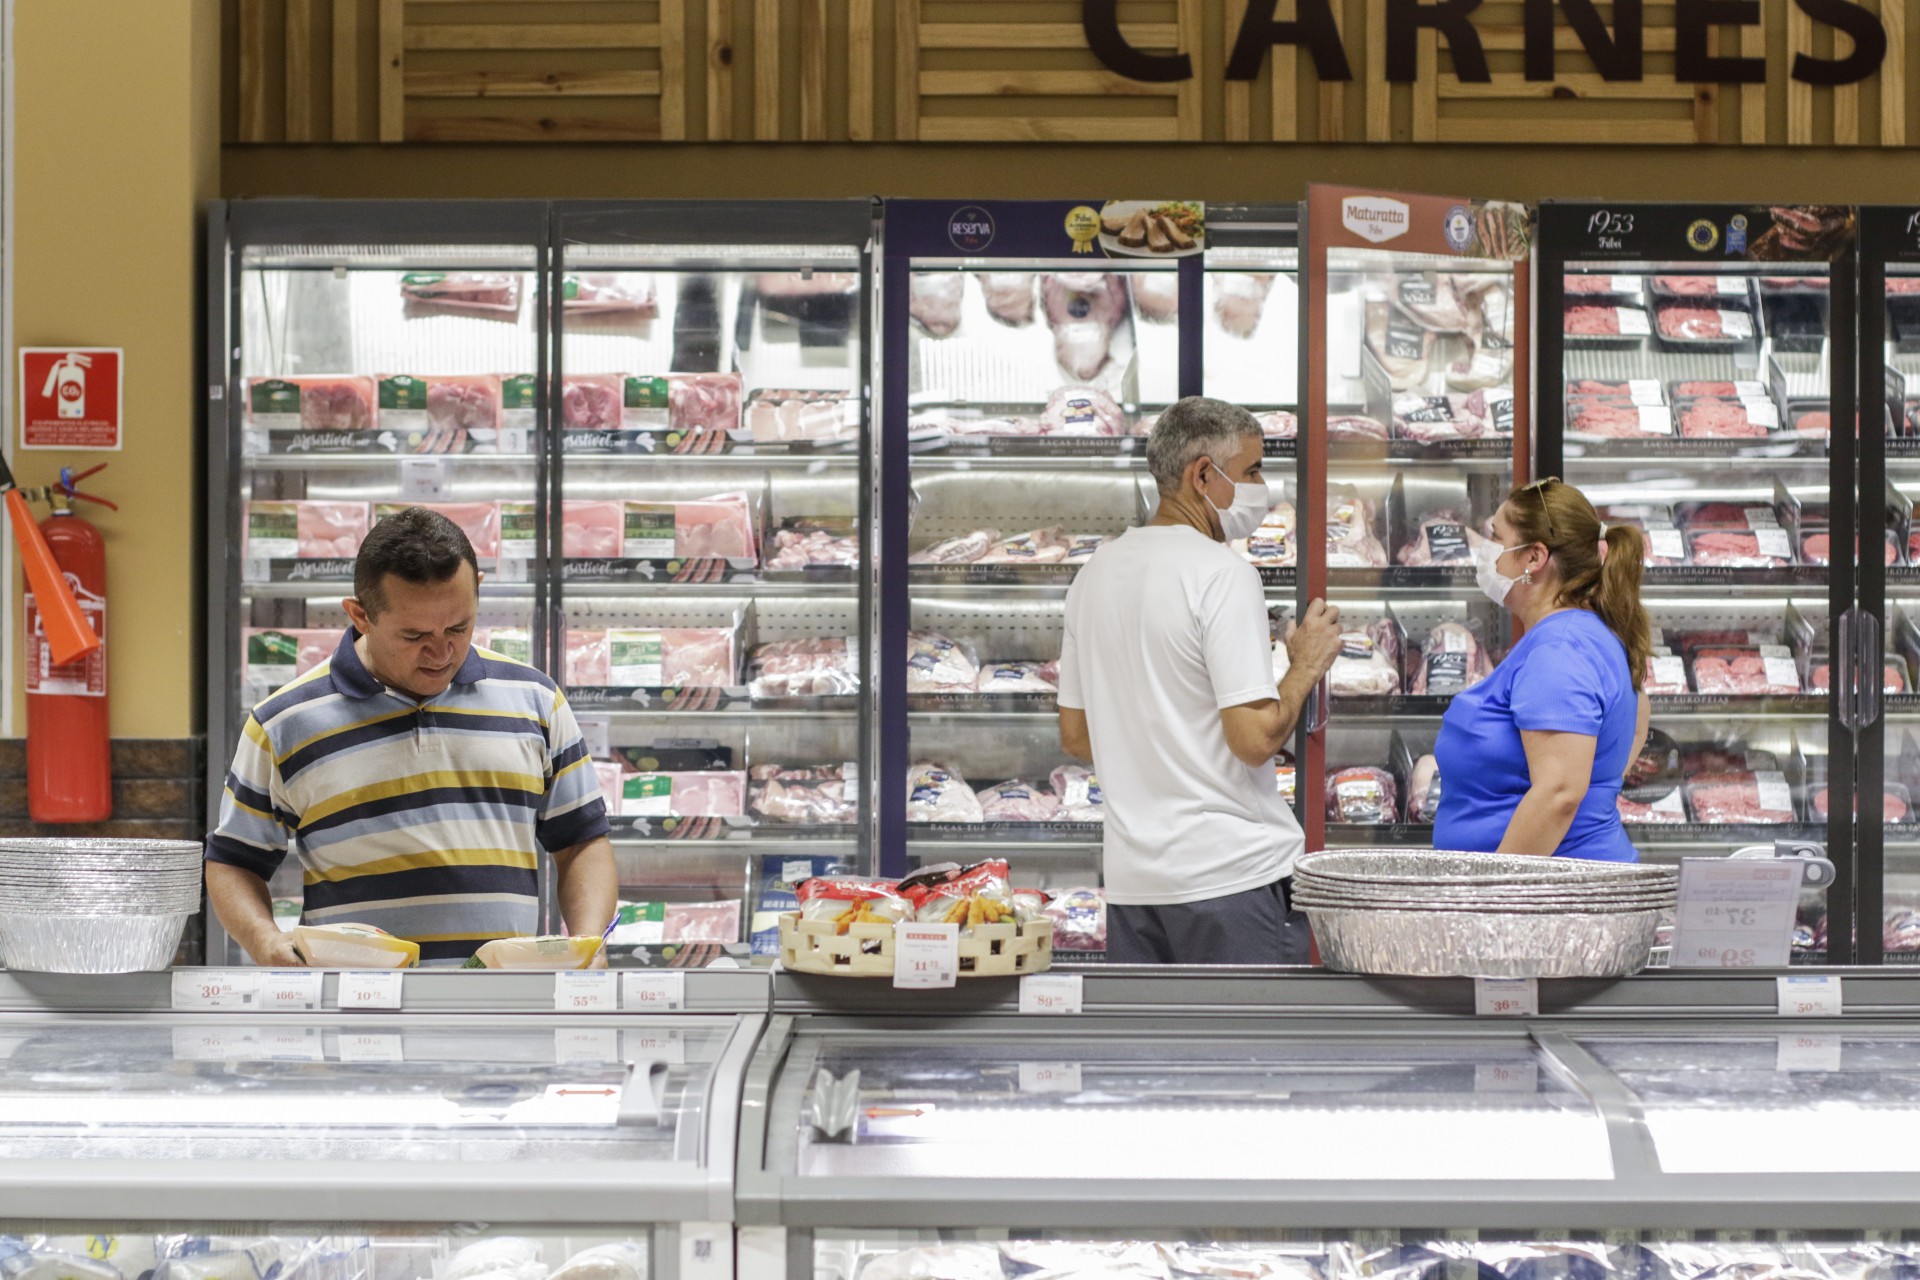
(1166,684)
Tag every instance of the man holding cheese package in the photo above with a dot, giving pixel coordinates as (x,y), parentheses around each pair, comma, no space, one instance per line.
(417,778)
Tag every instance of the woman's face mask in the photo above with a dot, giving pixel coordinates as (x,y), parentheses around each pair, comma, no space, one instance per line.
(1486,570)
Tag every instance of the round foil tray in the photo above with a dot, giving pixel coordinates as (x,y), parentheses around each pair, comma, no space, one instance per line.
(1447,944)
(89,944)
(1625,906)
(1425,866)
(1485,892)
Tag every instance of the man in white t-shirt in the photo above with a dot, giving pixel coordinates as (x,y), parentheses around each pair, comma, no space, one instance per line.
(1166,684)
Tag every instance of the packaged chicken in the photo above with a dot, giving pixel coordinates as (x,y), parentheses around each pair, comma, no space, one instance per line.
(717,793)
(1018,800)
(353,946)
(592,401)
(811,666)
(272,658)
(543,954)
(940,664)
(1081,799)
(936,793)
(488,293)
(823,795)
(630,293)
(1018,677)
(661,923)
(325,402)
(588,660)
(278,530)
(441,414)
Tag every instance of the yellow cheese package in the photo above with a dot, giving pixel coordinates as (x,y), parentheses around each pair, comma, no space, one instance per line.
(556,951)
(353,946)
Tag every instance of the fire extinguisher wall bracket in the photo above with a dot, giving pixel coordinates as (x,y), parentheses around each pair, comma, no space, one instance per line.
(68,635)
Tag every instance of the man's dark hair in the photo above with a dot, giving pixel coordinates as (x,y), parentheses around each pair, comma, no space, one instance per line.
(415,545)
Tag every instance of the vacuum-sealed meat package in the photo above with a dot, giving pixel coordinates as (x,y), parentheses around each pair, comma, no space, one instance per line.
(1740,548)
(1442,538)
(1018,677)
(593,401)
(1351,541)
(492,293)
(936,793)
(1742,797)
(823,795)
(1273,544)
(671,657)
(321,402)
(707,794)
(1079,919)
(1018,801)
(304,530)
(1423,790)
(629,293)
(940,664)
(965,549)
(808,667)
(1896,805)
(1751,670)
(1369,661)
(587,661)
(1362,795)
(480,521)
(592,530)
(1078,789)
(1452,660)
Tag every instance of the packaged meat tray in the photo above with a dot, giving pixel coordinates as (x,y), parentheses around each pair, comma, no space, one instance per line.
(441,414)
(1638,390)
(1595,287)
(1453,659)
(1018,800)
(1740,548)
(666,923)
(1273,544)
(720,527)
(1741,797)
(1079,918)
(676,657)
(803,417)
(715,794)
(1435,419)
(1081,799)
(1893,676)
(1735,389)
(489,293)
(809,667)
(1369,661)
(1896,805)
(799,545)
(1706,290)
(1588,325)
(940,664)
(304,530)
(323,402)
(273,657)
(1811,421)
(1666,674)
(1355,427)
(936,793)
(480,521)
(1617,418)
(1666,547)
(1691,327)
(1720,418)
(1652,806)
(1816,547)
(1658,764)
(1362,795)
(1766,669)
(1019,677)
(592,401)
(823,795)
(1442,538)
(1693,516)
(1351,539)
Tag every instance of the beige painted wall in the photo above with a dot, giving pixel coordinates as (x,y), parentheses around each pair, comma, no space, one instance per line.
(116,132)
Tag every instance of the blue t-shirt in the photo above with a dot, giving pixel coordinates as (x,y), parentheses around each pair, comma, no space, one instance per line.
(1567,674)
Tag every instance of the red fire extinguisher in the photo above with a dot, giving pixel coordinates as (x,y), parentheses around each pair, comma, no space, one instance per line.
(69,767)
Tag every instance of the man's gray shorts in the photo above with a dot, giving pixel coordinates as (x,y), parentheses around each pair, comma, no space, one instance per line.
(1242,928)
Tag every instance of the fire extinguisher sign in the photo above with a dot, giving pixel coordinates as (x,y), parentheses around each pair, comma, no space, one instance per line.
(70,397)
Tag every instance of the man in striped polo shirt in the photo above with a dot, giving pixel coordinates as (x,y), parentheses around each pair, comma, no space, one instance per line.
(417,778)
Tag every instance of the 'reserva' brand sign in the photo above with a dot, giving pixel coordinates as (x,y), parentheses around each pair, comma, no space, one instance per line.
(1375,218)
(1617,53)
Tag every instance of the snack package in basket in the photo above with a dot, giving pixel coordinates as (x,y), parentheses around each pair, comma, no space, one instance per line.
(979,894)
(846,900)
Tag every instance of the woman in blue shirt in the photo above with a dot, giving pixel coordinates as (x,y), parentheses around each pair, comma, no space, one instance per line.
(1531,758)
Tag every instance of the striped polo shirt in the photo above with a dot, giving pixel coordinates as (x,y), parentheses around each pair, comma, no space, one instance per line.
(425,819)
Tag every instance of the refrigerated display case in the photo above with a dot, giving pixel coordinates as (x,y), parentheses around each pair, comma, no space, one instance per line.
(1415,427)
(1332,1128)
(363,355)
(1028,348)
(711,585)
(1692,359)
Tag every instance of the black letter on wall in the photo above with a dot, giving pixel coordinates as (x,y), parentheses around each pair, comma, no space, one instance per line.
(1615,57)
(1100,19)
(1449,18)
(1693,20)
(1869,44)
(1313,26)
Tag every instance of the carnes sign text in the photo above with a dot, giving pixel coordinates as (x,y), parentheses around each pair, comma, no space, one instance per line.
(1617,54)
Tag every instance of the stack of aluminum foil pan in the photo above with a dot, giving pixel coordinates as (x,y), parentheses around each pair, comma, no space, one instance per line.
(95,905)
(1433,913)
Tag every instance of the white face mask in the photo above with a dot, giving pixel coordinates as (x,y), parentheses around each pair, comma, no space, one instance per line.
(1251,502)
(1486,570)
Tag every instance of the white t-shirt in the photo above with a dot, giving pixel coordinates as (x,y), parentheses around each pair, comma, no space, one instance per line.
(1165,627)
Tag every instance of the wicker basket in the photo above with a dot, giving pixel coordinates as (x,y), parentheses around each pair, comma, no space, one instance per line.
(865,950)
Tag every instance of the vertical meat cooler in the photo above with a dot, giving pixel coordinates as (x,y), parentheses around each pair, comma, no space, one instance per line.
(711,595)
(1415,427)
(1692,359)
(362,356)
(1028,348)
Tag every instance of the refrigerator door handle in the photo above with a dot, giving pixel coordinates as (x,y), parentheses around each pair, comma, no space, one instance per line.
(1840,679)
(1869,677)
(1320,704)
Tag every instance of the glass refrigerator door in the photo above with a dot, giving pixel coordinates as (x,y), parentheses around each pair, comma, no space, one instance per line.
(1692,360)
(1417,385)
(100,1247)
(1024,369)
(372,368)
(712,502)
(1250,335)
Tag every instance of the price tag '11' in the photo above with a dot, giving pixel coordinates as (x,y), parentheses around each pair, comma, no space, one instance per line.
(926,955)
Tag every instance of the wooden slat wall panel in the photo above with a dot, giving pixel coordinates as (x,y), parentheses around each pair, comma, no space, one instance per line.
(484,70)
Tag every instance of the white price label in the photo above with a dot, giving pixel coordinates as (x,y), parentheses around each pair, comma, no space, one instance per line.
(656,1046)
(423,479)
(794,870)
(654,992)
(1051,993)
(215,1044)
(596,734)
(1506,997)
(586,1044)
(360,1047)
(1808,1051)
(1633,322)
(706,1251)
(291,990)
(292,1044)
(1506,1077)
(375,989)
(1810,995)
(926,955)
(1049,1077)
(586,991)
(216,988)
(1735,913)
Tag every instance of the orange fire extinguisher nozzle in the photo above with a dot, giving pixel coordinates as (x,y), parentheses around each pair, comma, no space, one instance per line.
(69,636)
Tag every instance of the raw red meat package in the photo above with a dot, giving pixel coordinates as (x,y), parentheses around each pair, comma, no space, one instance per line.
(1441,538)
(1617,418)
(714,794)
(1816,547)
(1401,345)
(1018,801)
(1369,661)
(683,402)
(1272,544)
(1453,659)
(671,657)
(1758,670)
(787,417)
(1740,390)
(1351,543)
(1666,674)
(1362,795)
(480,521)
(592,401)
(482,292)
(1607,285)
(824,795)
(1587,321)
(1448,417)
(305,530)
(1638,390)
(1652,806)
(1896,806)
(1724,515)
(1018,677)
(965,549)
(1717,418)
(1893,676)
(1278,424)
(592,530)
(1703,324)
(1740,548)
(1355,428)
(940,664)
(810,667)
(1727,287)
(1081,799)
(1082,411)
(807,546)
(1815,423)
(630,293)
(445,409)
(719,527)
(271,657)
(1740,797)
(936,793)
(322,402)
(1079,919)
